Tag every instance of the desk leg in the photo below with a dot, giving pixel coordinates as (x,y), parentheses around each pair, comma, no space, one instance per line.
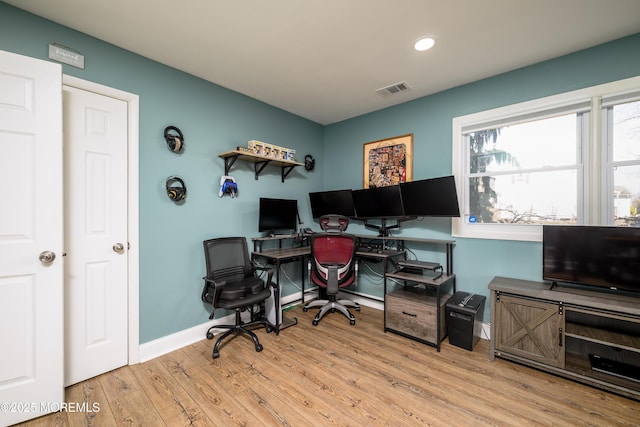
(302,272)
(438,337)
(285,323)
(384,300)
(278,305)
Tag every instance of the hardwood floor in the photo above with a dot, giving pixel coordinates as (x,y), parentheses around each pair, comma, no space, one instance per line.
(337,374)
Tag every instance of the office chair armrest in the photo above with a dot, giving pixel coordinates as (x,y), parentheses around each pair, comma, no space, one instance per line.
(269,272)
(217,290)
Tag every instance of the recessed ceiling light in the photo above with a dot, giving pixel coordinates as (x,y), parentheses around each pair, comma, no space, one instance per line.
(424,43)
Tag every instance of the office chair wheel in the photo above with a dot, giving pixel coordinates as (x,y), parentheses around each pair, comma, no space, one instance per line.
(216,354)
(209,335)
(314,322)
(305,309)
(259,348)
(352,322)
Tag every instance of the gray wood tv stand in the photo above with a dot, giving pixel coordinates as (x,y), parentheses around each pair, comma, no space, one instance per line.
(588,336)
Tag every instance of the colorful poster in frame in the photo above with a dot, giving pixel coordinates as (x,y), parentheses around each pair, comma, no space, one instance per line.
(388,161)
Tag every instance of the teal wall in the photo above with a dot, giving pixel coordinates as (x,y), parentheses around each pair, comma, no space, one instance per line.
(215,119)
(476,261)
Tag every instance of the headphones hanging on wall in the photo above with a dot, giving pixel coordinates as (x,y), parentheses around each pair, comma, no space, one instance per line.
(175,140)
(176,189)
(309,162)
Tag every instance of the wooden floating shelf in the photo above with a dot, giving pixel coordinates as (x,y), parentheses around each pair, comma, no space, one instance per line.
(260,162)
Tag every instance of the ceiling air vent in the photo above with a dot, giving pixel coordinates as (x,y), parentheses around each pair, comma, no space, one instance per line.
(393,89)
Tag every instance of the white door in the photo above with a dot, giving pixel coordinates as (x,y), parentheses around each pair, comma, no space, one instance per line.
(31,291)
(95,141)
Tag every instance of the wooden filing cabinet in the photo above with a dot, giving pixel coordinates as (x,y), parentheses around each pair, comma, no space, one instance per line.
(413,312)
(415,306)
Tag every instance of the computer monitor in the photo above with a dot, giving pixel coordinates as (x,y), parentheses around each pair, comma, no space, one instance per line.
(430,197)
(338,202)
(378,202)
(277,215)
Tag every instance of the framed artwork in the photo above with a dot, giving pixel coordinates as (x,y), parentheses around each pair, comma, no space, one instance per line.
(388,161)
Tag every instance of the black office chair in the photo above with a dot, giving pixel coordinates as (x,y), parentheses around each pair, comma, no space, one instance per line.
(231,283)
(332,266)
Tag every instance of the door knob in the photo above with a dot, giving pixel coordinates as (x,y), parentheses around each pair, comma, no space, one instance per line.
(118,247)
(47,257)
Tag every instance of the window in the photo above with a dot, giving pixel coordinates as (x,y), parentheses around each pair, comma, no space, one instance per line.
(545,162)
(526,173)
(621,124)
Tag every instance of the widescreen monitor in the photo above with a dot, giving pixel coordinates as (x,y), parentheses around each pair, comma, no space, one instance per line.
(338,202)
(277,215)
(430,197)
(378,202)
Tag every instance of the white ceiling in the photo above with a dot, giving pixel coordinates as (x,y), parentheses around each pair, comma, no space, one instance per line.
(325,59)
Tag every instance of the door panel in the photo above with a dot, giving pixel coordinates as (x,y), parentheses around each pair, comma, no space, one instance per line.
(31,291)
(95,221)
(531,329)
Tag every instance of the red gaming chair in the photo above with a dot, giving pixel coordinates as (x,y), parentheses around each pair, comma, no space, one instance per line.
(332,266)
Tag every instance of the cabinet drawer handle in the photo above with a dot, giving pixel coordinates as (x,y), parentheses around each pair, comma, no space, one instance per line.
(410,314)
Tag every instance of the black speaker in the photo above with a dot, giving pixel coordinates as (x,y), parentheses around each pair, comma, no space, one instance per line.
(309,162)
(176,189)
(174,138)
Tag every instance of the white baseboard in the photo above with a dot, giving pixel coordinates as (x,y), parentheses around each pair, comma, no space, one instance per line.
(169,343)
(485,334)
(378,305)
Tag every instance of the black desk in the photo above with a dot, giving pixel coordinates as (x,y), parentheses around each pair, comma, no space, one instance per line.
(284,255)
(387,254)
(277,257)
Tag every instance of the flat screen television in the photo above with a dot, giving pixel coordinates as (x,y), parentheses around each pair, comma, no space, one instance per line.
(339,202)
(599,256)
(378,202)
(277,215)
(430,197)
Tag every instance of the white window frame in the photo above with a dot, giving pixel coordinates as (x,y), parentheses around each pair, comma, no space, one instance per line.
(607,149)
(593,188)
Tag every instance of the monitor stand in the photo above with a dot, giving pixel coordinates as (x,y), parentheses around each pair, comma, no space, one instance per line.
(383,228)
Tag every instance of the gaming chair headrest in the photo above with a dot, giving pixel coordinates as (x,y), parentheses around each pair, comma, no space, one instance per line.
(334,223)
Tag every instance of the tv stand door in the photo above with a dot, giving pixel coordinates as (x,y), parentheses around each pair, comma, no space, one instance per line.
(530,328)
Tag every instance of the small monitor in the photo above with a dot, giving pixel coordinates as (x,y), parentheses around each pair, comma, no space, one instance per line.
(338,202)
(277,215)
(378,202)
(430,197)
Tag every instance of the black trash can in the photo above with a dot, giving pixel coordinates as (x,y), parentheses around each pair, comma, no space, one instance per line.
(464,313)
